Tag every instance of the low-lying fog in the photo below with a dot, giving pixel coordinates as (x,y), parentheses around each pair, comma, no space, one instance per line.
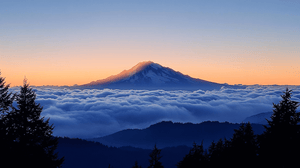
(91,113)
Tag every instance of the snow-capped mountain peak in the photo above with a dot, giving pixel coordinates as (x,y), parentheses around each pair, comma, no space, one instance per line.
(150,75)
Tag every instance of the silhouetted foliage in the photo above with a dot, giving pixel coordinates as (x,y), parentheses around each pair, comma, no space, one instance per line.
(6,100)
(242,147)
(154,158)
(30,136)
(197,157)
(279,144)
(216,153)
(136,165)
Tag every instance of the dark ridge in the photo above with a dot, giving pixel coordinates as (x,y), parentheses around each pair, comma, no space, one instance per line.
(80,153)
(167,134)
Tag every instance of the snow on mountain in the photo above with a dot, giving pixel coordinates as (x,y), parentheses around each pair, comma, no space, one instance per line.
(150,75)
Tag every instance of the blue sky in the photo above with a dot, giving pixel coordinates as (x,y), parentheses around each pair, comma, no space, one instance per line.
(232,42)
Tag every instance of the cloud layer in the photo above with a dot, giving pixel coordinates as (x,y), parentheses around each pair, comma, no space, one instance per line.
(90,112)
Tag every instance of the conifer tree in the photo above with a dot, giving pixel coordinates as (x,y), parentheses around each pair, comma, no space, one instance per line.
(136,165)
(6,98)
(196,157)
(154,158)
(243,147)
(32,140)
(279,144)
(216,153)
(244,139)
(211,148)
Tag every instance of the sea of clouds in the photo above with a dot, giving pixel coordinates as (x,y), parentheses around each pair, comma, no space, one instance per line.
(87,113)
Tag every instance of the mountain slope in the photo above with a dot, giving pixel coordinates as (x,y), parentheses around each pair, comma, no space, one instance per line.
(167,134)
(80,153)
(149,75)
(259,118)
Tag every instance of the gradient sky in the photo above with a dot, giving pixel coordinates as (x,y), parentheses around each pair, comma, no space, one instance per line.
(67,42)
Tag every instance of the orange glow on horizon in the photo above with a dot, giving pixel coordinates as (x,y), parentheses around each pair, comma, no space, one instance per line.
(216,72)
(82,66)
(77,43)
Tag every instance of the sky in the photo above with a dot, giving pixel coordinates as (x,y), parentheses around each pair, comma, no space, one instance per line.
(67,42)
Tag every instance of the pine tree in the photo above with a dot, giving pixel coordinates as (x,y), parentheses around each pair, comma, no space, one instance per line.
(154,158)
(32,142)
(244,139)
(279,144)
(243,147)
(6,98)
(136,165)
(216,155)
(211,148)
(196,157)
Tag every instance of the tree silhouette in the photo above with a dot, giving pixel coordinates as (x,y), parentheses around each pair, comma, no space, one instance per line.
(196,157)
(279,144)
(154,158)
(136,165)
(6,100)
(243,147)
(32,142)
(216,153)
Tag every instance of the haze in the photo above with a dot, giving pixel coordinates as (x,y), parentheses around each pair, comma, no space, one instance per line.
(76,42)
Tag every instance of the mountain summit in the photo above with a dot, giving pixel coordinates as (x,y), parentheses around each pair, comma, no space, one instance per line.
(149,75)
(123,75)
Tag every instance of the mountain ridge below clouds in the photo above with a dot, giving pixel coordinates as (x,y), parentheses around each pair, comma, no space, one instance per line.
(168,134)
(259,118)
(152,76)
(80,153)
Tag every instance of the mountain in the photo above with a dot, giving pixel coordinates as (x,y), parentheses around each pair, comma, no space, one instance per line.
(80,153)
(259,118)
(150,75)
(168,134)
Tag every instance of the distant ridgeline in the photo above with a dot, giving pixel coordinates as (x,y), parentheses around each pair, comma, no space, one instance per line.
(167,134)
(80,153)
(175,140)
(260,118)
